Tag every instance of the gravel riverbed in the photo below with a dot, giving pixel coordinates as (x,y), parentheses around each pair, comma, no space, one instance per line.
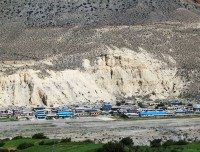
(104,129)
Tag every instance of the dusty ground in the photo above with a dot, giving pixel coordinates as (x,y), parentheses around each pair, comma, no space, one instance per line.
(100,129)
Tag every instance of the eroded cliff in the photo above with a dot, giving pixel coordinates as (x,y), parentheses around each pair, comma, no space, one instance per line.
(117,73)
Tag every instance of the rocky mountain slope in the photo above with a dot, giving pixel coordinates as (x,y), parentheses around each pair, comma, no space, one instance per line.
(97,12)
(66,52)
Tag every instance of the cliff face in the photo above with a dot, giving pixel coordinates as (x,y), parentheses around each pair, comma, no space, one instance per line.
(129,74)
(119,73)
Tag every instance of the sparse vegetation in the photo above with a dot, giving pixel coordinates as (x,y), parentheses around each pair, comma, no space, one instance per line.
(124,145)
(156,146)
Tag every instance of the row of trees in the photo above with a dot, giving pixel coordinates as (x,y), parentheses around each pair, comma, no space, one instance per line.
(21,146)
(127,145)
(124,145)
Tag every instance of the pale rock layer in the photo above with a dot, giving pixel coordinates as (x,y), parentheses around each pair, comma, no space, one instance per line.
(121,73)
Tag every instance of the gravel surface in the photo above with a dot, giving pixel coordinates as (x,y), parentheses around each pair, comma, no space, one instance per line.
(102,130)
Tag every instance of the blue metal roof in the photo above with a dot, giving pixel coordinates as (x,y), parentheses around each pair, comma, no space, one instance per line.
(152,112)
(91,110)
(64,113)
(39,110)
(184,111)
(40,114)
(197,106)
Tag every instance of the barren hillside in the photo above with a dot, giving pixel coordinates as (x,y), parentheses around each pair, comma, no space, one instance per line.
(55,52)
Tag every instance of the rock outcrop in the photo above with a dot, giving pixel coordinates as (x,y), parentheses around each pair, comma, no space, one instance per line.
(119,73)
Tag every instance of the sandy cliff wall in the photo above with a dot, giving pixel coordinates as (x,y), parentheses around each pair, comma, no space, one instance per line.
(71,65)
(120,73)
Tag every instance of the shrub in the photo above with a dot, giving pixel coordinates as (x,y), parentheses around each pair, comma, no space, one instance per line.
(66,140)
(190,105)
(181,142)
(137,149)
(127,141)
(174,150)
(24,145)
(47,142)
(112,147)
(17,137)
(123,116)
(141,105)
(88,141)
(41,143)
(2,143)
(156,143)
(118,103)
(6,139)
(39,136)
(177,149)
(169,143)
(4,150)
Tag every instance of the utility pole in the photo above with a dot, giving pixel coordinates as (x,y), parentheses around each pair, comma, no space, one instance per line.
(53,147)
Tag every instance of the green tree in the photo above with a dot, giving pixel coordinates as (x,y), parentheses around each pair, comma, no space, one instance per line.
(112,147)
(169,143)
(156,143)
(39,136)
(127,141)
(2,143)
(141,105)
(24,146)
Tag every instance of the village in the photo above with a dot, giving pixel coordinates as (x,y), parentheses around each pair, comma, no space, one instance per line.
(126,109)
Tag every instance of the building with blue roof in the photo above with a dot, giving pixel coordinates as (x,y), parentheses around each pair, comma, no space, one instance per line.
(183,111)
(176,103)
(40,114)
(106,106)
(196,108)
(64,114)
(154,114)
